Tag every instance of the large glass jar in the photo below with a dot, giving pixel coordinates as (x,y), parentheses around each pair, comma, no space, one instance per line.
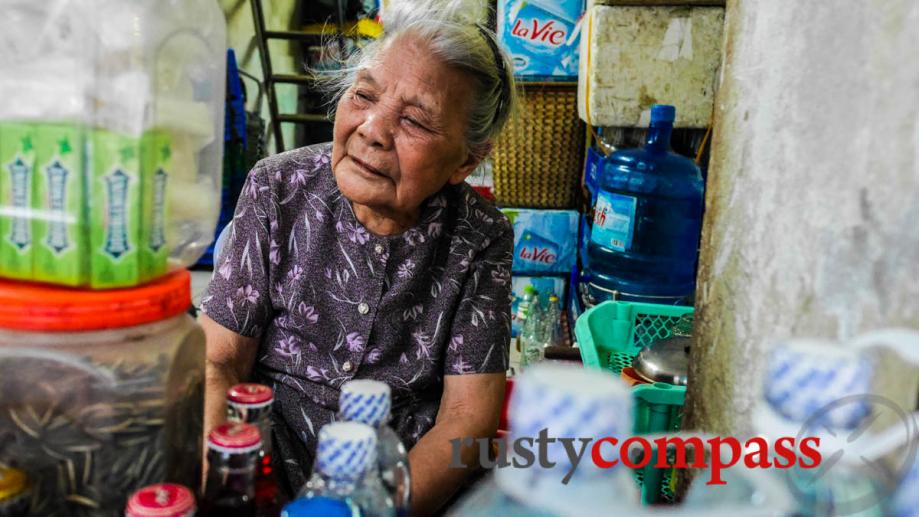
(111,138)
(103,392)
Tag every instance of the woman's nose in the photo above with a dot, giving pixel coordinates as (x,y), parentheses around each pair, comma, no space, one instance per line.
(376,130)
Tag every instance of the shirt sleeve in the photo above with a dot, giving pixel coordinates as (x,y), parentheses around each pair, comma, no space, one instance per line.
(481,330)
(237,296)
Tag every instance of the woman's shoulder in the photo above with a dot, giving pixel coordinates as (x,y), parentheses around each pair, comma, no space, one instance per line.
(296,168)
(479,215)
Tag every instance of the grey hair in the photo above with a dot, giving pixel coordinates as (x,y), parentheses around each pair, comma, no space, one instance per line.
(456,39)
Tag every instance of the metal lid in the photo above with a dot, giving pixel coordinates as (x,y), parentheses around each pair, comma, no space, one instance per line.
(250,394)
(664,360)
(235,438)
(162,500)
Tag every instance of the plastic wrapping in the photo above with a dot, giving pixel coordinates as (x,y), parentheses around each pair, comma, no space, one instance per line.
(111,117)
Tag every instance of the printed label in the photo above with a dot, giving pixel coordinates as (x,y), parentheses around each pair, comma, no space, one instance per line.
(537,250)
(614,221)
(158,233)
(21,232)
(57,204)
(116,241)
(545,32)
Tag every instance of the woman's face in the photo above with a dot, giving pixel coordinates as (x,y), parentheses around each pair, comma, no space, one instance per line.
(400,131)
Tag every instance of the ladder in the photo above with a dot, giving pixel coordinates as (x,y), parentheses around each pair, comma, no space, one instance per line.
(271,79)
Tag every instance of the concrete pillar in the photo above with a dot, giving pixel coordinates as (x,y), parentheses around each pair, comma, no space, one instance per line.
(812,221)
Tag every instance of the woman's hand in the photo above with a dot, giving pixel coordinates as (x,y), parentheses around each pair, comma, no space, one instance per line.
(470,408)
(229,360)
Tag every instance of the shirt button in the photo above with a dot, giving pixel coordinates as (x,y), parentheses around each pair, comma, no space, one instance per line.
(346,366)
(378,248)
(363,308)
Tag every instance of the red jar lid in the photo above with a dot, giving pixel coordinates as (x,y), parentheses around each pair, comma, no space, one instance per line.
(162,500)
(250,394)
(37,307)
(235,438)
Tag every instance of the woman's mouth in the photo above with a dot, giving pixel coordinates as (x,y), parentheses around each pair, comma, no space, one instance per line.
(367,169)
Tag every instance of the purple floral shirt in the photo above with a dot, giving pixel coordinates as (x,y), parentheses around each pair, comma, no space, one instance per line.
(331,301)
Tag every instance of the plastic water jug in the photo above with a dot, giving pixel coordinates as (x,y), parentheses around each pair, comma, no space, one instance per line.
(647,217)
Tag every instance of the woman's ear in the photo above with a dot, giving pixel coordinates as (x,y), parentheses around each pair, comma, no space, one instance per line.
(473,159)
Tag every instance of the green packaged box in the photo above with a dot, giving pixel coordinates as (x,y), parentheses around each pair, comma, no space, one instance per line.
(17,168)
(59,228)
(114,208)
(155,169)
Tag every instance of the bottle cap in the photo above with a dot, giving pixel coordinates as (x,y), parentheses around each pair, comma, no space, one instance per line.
(250,395)
(162,500)
(346,450)
(529,289)
(235,438)
(324,506)
(663,113)
(804,378)
(569,401)
(13,483)
(365,401)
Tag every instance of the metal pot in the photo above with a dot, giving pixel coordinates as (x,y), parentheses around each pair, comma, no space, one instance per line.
(664,360)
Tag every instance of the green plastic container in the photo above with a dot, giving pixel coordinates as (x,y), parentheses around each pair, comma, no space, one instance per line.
(610,335)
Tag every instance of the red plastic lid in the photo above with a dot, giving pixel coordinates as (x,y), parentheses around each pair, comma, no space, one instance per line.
(37,307)
(163,500)
(250,394)
(235,437)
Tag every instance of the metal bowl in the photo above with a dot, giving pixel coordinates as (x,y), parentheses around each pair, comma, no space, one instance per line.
(664,360)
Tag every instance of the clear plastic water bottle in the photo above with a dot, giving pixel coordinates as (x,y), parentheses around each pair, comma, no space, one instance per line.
(552,322)
(345,471)
(531,342)
(558,400)
(530,295)
(369,402)
(647,219)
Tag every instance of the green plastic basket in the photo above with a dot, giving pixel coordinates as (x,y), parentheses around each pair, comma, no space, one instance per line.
(610,335)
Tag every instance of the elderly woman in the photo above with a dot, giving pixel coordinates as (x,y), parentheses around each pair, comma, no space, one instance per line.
(370,258)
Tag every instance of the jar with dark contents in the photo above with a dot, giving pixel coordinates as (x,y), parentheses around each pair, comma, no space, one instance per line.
(251,403)
(102,392)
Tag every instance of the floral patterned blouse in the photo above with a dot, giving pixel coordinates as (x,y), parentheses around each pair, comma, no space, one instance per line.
(331,301)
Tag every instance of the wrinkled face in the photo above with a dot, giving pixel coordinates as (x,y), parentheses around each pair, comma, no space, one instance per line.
(400,130)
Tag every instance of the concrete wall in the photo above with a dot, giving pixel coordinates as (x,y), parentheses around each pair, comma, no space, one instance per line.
(812,222)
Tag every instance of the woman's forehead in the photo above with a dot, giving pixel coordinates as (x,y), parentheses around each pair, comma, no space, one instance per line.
(417,77)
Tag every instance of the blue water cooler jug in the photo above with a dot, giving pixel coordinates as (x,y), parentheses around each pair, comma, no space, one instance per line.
(647,219)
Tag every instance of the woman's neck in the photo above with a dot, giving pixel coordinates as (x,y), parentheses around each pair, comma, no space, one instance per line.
(381,222)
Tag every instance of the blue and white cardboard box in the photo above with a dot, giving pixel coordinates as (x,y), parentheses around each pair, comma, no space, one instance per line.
(545,241)
(542,36)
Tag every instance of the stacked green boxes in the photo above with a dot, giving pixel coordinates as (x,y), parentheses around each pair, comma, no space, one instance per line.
(156,167)
(82,206)
(114,208)
(17,169)
(59,228)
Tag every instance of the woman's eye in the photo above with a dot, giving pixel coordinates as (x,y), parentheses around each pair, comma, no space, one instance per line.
(362,96)
(412,122)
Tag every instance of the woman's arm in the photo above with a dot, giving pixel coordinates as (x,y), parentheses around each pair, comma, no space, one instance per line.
(230,357)
(470,408)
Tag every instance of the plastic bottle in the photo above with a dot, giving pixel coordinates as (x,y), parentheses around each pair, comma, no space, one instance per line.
(647,219)
(369,402)
(553,322)
(530,294)
(345,470)
(555,399)
(531,351)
